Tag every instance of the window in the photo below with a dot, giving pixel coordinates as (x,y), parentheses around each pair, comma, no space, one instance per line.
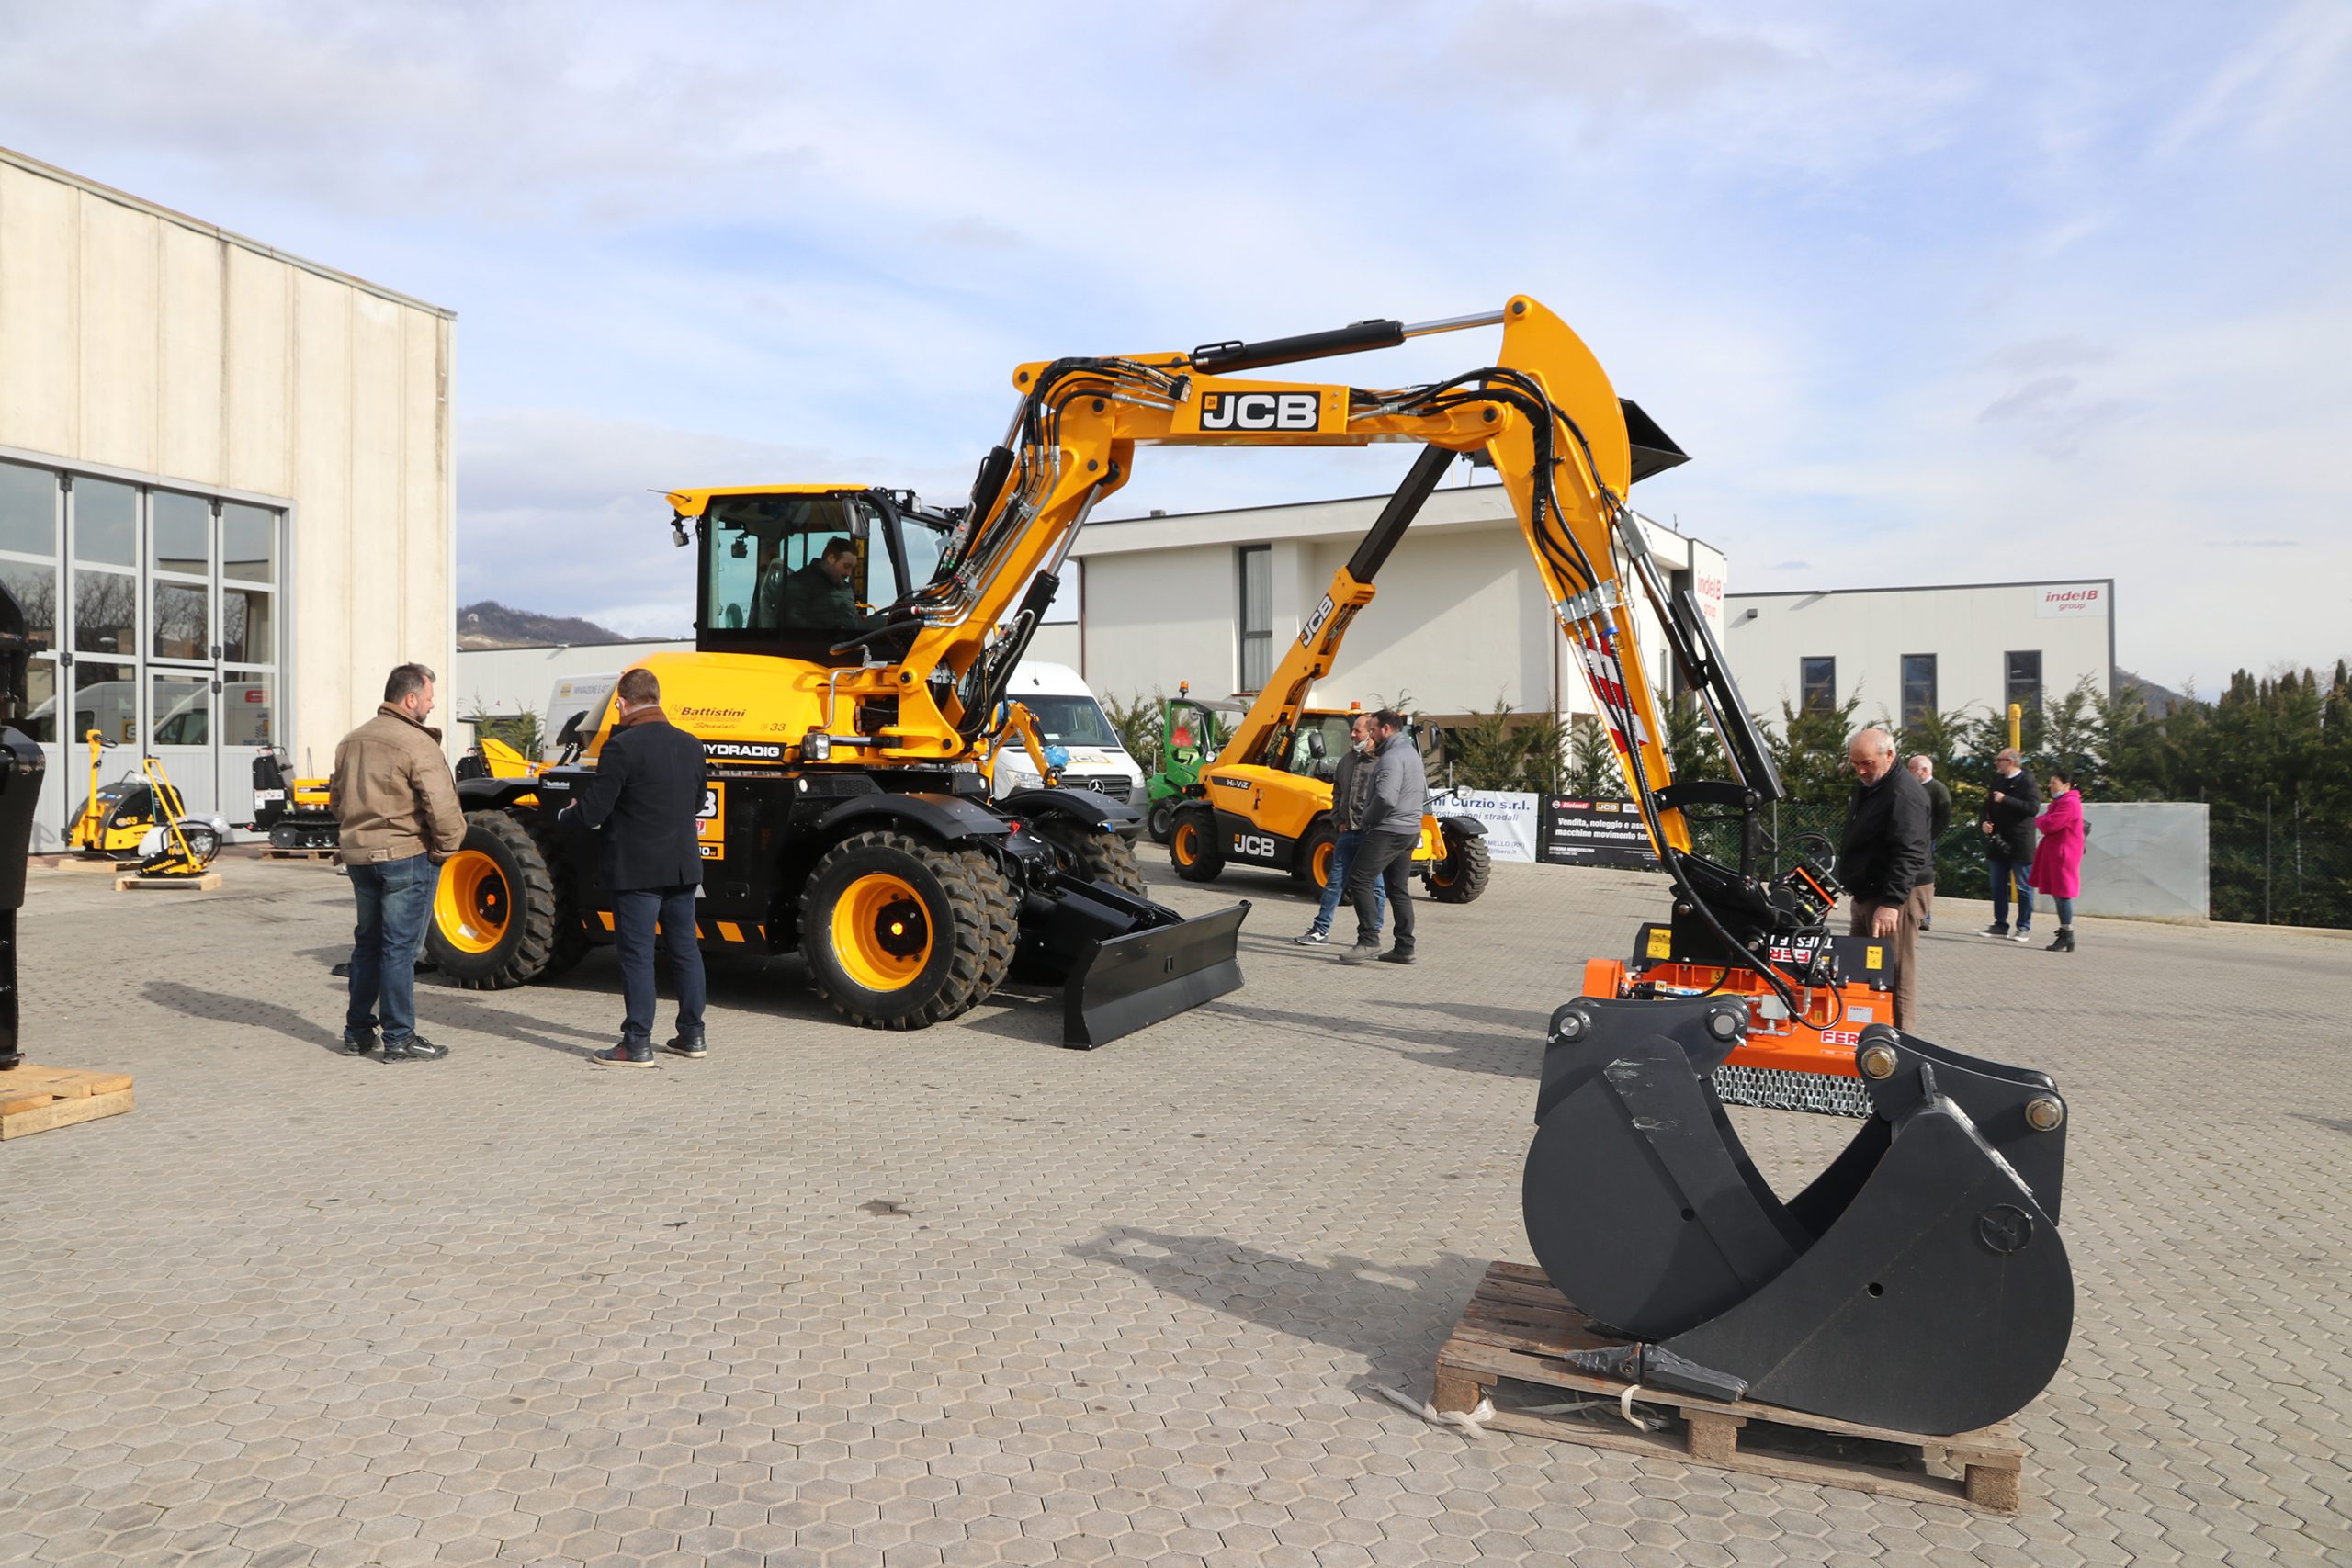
(1256,617)
(790,563)
(1918,691)
(1068,720)
(1817,685)
(2024,680)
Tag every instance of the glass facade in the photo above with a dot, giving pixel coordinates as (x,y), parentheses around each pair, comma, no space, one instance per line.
(1257,622)
(154,619)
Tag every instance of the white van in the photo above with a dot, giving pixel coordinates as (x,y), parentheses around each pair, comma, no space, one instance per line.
(1068,717)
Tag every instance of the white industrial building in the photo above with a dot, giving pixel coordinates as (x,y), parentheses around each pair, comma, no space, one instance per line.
(1461,621)
(227,499)
(1905,651)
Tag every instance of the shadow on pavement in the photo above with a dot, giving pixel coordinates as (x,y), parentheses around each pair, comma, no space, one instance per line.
(1394,1314)
(215,1007)
(1507,1043)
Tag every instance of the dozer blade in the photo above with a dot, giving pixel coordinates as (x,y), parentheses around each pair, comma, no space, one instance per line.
(1919,1283)
(1124,962)
(1126,983)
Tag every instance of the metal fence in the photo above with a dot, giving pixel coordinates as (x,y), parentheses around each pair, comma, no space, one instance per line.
(2267,866)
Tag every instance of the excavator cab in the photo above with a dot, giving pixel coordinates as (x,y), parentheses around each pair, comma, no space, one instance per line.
(797,570)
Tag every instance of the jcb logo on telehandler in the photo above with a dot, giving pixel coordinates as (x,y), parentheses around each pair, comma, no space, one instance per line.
(1259,411)
(1252,846)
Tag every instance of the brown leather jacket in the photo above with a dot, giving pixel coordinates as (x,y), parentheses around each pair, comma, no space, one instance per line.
(392,793)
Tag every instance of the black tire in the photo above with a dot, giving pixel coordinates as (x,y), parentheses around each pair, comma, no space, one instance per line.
(1192,848)
(1461,875)
(571,939)
(1315,853)
(1098,855)
(504,934)
(925,931)
(1160,821)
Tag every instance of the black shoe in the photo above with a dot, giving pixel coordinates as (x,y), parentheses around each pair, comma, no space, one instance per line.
(359,1044)
(686,1044)
(1998,928)
(341,971)
(1361,953)
(2063,941)
(628,1053)
(1927,925)
(1311,938)
(415,1048)
(1398,955)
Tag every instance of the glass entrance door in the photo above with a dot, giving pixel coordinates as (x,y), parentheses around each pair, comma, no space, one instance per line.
(181,686)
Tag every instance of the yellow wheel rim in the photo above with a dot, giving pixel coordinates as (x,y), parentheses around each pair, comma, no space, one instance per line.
(472,904)
(881,932)
(1323,853)
(1188,842)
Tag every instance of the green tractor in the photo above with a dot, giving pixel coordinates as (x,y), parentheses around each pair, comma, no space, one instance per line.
(1193,730)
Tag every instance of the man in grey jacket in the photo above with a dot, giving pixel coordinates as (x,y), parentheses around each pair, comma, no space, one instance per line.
(1392,827)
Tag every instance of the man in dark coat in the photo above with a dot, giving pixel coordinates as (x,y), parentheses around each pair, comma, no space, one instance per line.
(1938,820)
(648,790)
(2006,821)
(1885,857)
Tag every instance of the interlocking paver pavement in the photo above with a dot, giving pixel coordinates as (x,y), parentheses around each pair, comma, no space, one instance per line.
(845,1298)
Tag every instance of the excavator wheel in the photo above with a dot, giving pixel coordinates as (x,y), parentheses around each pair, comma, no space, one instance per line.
(1095,853)
(571,942)
(1317,855)
(1160,821)
(1461,875)
(901,933)
(494,910)
(1193,847)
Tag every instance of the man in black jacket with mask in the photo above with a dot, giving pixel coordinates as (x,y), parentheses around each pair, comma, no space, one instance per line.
(642,801)
(1886,856)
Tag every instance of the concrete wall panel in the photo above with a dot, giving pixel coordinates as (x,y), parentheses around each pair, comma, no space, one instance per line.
(190,348)
(258,375)
(378,584)
(118,359)
(40,312)
(425,630)
(326,562)
(1190,600)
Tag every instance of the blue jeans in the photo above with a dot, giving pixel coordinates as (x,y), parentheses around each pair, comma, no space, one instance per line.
(2002,870)
(394,897)
(2065,910)
(1344,854)
(633,916)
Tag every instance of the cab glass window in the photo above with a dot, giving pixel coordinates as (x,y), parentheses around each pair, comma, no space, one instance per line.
(793,565)
(1328,732)
(1068,721)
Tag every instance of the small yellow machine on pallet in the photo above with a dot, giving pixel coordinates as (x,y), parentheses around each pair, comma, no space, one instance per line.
(142,818)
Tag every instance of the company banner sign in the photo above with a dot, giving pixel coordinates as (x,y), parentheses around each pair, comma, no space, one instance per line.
(1595,832)
(1513,821)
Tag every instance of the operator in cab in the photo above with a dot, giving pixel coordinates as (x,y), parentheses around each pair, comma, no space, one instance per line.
(817,597)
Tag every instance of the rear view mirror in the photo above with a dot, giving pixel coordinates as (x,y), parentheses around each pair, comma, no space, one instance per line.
(1315,744)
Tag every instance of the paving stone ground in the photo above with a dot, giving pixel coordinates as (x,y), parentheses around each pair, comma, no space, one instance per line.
(848,1298)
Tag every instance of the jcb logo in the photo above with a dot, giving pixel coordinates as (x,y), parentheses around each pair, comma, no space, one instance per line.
(1259,411)
(1315,623)
(1252,846)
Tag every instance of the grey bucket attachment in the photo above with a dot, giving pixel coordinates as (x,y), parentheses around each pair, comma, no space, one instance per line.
(1919,1283)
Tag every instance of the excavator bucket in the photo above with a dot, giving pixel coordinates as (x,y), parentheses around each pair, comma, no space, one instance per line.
(1125,963)
(1919,1283)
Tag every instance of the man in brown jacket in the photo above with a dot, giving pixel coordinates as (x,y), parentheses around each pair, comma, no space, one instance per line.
(397,804)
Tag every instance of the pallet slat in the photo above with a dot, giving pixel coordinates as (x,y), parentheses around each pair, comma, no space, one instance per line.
(35,1099)
(1517,1330)
(204,884)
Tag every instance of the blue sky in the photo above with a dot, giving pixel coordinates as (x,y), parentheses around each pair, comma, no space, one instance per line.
(1931,294)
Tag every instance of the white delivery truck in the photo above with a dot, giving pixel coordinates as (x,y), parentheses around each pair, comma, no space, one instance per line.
(1068,717)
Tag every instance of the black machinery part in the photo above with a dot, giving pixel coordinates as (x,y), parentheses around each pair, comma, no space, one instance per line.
(1919,1283)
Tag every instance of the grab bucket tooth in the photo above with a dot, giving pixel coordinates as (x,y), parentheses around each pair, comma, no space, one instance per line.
(1919,1282)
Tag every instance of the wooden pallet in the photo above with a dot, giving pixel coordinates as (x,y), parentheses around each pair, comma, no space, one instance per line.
(34,1100)
(297,854)
(1508,1347)
(204,884)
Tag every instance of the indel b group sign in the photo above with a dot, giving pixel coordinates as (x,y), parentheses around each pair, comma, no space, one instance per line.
(2074,599)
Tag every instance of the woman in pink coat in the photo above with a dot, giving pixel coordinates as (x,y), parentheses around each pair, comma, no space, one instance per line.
(2058,859)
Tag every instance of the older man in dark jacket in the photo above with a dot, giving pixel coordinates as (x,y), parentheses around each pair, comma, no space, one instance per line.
(642,802)
(1886,856)
(2010,806)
